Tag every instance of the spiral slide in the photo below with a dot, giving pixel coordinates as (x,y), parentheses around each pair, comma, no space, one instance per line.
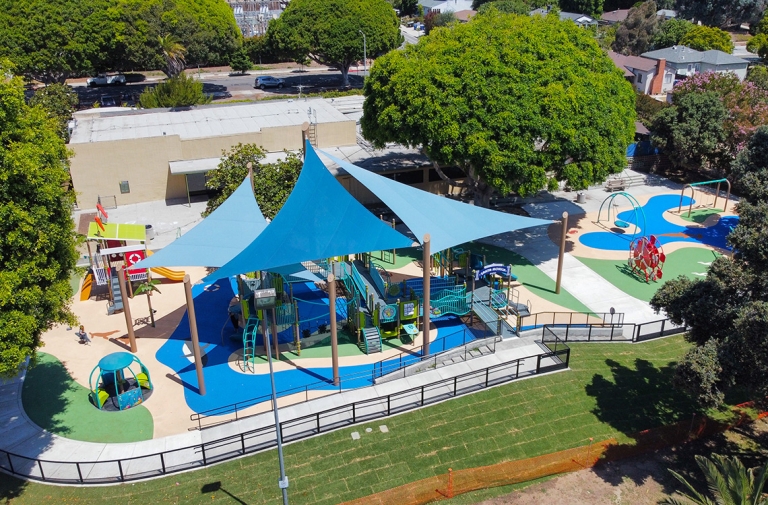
(173,275)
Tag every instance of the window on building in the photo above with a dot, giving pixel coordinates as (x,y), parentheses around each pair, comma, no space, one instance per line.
(125,187)
(639,78)
(690,67)
(667,78)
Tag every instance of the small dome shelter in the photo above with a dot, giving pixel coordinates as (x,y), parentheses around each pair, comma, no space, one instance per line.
(122,382)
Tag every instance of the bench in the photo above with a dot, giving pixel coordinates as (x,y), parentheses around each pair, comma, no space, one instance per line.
(615,185)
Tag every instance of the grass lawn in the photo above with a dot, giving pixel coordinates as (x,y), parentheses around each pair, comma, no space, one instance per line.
(60,405)
(688,261)
(613,390)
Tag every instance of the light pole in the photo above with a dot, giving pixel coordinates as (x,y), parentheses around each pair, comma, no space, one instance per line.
(264,299)
(365,56)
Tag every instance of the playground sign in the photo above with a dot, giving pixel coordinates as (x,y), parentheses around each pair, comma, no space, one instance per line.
(493,268)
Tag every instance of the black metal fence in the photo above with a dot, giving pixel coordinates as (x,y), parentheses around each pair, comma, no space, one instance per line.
(604,332)
(248,442)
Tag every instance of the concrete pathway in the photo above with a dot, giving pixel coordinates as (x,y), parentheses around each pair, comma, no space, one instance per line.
(66,459)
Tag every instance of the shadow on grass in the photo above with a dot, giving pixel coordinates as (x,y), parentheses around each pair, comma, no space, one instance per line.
(44,394)
(11,488)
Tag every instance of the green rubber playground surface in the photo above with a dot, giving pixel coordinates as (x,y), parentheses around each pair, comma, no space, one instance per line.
(700,215)
(401,257)
(58,404)
(690,261)
(528,275)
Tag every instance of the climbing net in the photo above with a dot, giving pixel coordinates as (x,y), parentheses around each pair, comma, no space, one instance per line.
(646,257)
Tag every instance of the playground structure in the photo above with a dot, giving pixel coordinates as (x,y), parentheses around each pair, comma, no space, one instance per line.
(369,306)
(117,245)
(637,212)
(694,185)
(117,386)
(646,257)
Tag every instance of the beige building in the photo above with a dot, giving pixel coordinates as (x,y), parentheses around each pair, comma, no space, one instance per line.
(129,156)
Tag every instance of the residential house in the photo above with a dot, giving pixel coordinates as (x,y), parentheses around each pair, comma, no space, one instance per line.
(464,16)
(645,74)
(581,20)
(682,61)
(614,17)
(445,5)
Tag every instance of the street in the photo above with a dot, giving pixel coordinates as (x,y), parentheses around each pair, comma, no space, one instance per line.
(224,86)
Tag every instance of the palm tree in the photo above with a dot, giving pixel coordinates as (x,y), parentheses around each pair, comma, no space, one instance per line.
(148,287)
(173,52)
(728,482)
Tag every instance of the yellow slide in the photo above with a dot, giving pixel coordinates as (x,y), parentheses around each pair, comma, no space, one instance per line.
(85,291)
(173,275)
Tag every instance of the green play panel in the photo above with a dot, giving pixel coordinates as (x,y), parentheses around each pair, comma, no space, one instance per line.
(690,261)
(536,281)
(58,404)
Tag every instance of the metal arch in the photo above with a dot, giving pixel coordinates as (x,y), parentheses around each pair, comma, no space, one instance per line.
(635,207)
(717,194)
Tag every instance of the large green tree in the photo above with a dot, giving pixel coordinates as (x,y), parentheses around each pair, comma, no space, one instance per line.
(328,31)
(721,13)
(51,40)
(588,7)
(59,101)
(727,311)
(670,32)
(37,240)
(704,38)
(634,34)
(272,182)
(517,102)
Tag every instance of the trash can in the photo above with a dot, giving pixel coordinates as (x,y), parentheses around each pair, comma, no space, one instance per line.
(150,232)
(581,197)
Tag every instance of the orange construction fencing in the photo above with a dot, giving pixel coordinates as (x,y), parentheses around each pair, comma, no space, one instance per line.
(457,482)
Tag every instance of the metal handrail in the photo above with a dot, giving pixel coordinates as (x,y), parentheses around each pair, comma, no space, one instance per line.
(310,425)
(666,328)
(616,318)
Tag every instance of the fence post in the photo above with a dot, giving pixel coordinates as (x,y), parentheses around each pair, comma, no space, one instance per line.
(538,363)
(388,405)
(354,414)
(663,321)
(162,461)
(79,473)
(486,377)
(455,380)
(317,418)
(120,467)
(517,372)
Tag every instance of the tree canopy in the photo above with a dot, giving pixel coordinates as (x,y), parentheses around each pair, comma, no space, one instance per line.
(272,182)
(53,40)
(37,241)
(670,32)
(704,38)
(721,13)
(437,19)
(328,31)
(634,34)
(179,91)
(59,101)
(727,311)
(588,7)
(517,102)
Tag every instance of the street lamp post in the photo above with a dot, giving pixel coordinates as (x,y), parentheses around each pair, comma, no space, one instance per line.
(265,299)
(365,55)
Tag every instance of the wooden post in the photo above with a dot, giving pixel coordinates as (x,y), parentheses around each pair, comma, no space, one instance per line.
(563,235)
(427,276)
(193,334)
(126,309)
(334,336)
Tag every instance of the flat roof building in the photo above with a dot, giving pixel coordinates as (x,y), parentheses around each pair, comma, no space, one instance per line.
(131,156)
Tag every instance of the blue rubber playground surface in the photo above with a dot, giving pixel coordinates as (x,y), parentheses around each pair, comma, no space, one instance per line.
(666,232)
(226,386)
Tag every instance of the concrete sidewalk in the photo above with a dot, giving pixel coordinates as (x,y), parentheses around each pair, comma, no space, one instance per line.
(72,460)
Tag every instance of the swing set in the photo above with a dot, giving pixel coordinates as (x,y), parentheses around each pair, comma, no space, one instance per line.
(637,210)
(705,183)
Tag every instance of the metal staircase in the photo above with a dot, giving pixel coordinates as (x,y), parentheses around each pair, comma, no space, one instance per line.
(372,340)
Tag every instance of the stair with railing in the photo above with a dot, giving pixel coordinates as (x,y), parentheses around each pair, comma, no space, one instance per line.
(372,340)
(116,304)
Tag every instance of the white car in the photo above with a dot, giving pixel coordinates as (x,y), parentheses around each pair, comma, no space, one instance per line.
(106,80)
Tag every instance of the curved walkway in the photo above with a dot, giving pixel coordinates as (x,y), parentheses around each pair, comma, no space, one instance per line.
(69,460)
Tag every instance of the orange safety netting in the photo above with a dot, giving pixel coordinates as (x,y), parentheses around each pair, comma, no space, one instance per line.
(457,482)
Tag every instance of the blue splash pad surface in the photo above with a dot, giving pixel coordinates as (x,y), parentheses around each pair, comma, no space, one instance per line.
(225,386)
(665,231)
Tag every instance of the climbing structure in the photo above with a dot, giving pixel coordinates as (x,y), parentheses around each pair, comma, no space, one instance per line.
(646,257)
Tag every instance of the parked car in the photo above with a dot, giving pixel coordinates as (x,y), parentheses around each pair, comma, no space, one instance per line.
(108,101)
(106,80)
(267,81)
